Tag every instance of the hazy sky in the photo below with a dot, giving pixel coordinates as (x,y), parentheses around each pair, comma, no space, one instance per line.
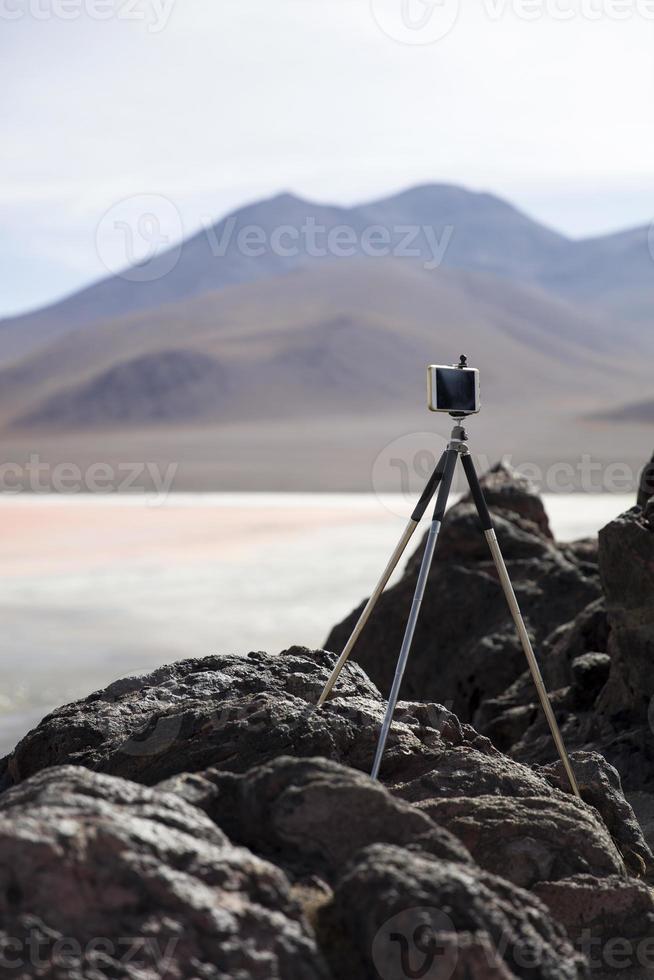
(212,103)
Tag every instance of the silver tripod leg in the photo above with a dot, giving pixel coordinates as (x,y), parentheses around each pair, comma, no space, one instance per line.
(402,544)
(423,575)
(406,644)
(505,580)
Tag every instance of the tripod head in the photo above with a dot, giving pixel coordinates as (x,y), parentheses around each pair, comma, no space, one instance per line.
(459,439)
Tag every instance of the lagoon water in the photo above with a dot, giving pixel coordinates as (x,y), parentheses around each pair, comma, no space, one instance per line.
(92,588)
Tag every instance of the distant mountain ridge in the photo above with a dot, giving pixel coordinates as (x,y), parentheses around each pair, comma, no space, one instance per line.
(298,345)
(482,233)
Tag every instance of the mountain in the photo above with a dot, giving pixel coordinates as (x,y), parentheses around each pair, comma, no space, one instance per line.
(488,234)
(164,386)
(337,337)
(634,412)
(211,259)
(293,368)
(442,224)
(614,273)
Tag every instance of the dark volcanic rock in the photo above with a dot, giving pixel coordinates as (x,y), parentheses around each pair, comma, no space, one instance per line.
(530,839)
(461,541)
(233,713)
(507,717)
(468,769)
(507,490)
(627,572)
(588,632)
(584,553)
(600,786)
(132,882)
(624,707)
(465,649)
(590,672)
(397,914)
(311,815)
(229,711)
(598,667)
(646,484)
(575,668)
(610,919)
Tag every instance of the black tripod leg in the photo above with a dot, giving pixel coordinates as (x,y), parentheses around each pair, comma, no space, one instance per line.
(421,506)
(434,530)
(505,580)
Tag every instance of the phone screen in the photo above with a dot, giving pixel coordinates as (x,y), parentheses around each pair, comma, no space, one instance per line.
(456,390)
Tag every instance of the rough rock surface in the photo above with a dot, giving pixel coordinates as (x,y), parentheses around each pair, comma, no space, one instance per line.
(646,484)
(507,490)
(233,713)
(229,711)
(627,572)
(599,667)
(435,918)
(90,863)
(530,839)
(600,786)
(312,815)
(465,649)
(602,910)
(575,667)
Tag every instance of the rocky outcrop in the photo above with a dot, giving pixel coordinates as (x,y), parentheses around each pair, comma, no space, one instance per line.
(248,832)
(507,490)
(601,787)
(102,877)
(312,815)
(626,561)
(575,668)
(127,881)
(465,650)
(211,804)
(646,484)
(233,713)
(230,712)
(436,918)
(598,668)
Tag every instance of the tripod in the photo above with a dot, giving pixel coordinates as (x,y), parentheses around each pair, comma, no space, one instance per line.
(441,479)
